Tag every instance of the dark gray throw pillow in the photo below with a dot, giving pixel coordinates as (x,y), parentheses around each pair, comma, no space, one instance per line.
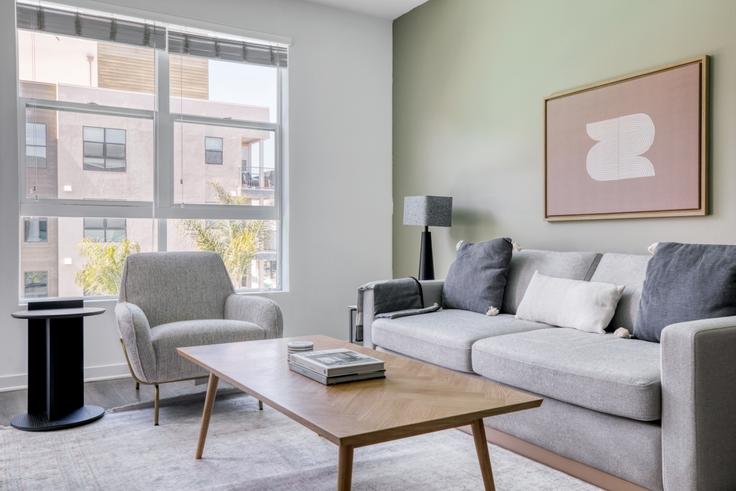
(477,277)
(686,282)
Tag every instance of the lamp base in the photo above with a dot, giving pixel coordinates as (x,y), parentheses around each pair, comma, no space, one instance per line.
(426,264)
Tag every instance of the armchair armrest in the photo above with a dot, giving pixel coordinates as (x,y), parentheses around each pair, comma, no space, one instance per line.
(431,293)
(259,310)
(699,404)
(135,332)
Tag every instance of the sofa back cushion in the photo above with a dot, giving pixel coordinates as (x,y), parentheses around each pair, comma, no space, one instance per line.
(571,265)
(176,286)
(628,270)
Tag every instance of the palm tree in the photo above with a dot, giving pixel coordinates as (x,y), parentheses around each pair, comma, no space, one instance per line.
(103,269)
(236,241)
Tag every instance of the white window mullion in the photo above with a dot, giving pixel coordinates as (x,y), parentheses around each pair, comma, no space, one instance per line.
(80,208)
(219,212)
(87,108)
(164,142)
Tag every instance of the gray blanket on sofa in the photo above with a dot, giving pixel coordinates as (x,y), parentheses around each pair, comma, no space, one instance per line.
(393,299)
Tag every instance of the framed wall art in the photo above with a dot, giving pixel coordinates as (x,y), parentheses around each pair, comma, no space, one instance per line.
(631,147)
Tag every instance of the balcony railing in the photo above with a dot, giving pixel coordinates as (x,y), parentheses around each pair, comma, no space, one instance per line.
(257,178)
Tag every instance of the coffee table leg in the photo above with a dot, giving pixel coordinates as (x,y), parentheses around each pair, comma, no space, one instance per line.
(209,402)
(484,458)
(344,468)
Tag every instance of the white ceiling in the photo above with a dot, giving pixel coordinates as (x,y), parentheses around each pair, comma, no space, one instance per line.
(388,9)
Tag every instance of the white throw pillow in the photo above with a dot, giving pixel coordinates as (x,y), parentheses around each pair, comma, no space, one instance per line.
(585,305)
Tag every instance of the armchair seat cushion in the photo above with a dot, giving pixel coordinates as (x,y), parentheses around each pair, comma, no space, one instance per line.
(445,337)
(167,337)
(596,371)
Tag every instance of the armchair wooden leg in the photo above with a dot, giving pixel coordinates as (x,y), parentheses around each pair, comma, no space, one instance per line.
(260,405)
(137,386)
(155,404)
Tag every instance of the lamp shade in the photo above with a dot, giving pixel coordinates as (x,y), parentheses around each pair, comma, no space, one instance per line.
(431,211)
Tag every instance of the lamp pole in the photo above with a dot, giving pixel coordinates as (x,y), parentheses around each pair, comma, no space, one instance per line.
(426,264)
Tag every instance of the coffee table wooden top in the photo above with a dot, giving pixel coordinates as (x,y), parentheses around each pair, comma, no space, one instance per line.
(414,398)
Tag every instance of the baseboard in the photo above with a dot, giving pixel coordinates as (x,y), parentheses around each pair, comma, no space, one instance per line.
(550,459)
(19,381)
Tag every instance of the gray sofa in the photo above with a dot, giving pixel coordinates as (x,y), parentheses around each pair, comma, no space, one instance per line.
(662,416)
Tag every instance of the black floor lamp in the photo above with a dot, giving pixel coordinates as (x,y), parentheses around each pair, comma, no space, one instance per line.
(427,211)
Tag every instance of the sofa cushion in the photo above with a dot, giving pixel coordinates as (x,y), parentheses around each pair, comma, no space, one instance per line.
(571,265)
(628,270)
(167,337)
(445,337)
(477,277)
(686,282)
(597,371)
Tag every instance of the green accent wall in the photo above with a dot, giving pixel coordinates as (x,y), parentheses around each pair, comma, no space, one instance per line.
(470,77)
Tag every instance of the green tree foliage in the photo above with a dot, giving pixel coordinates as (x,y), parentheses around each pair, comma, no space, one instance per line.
(236,241)
(103,269)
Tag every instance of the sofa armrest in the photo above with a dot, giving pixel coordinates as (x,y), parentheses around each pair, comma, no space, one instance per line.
(431,293)
(135,332)
(699,404)
(259,310)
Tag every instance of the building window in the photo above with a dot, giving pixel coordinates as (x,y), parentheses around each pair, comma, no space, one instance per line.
(35,230)
(36,284)
(104,149)
(213,150)
(36,145)
(105,229)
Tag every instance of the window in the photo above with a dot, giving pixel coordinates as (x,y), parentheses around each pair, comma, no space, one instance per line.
(104,149)
(130,139)
(212,150)
(35,230)
(36,284)
(36,145)
(105,229)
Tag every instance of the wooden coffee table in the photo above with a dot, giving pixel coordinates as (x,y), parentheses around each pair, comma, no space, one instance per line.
(414,398)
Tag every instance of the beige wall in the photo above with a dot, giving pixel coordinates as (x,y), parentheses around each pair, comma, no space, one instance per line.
(469,81)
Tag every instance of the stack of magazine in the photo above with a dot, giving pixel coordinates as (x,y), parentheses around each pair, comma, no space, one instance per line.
(334,366)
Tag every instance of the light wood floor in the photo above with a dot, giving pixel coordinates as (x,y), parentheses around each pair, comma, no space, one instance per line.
(105,393)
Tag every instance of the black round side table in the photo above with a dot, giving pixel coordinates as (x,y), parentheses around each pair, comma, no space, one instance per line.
(56,366)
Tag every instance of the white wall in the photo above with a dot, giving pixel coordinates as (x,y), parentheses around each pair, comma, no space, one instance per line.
(339,210)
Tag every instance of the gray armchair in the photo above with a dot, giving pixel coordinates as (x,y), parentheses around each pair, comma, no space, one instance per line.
(174,299)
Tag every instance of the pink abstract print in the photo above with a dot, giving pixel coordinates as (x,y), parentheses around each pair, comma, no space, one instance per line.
(631,146)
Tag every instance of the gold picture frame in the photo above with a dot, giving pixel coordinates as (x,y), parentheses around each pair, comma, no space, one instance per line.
(700,208)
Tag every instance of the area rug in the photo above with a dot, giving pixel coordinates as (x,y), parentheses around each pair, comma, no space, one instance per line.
(247,449)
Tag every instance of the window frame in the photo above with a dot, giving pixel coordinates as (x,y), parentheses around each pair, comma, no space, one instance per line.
(104,155)
(163,206)
(45,146)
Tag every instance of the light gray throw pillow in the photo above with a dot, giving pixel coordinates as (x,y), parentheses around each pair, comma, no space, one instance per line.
(477,278)
(686,282)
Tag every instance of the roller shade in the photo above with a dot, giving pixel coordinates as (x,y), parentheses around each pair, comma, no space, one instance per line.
(226,49)
(71,23)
